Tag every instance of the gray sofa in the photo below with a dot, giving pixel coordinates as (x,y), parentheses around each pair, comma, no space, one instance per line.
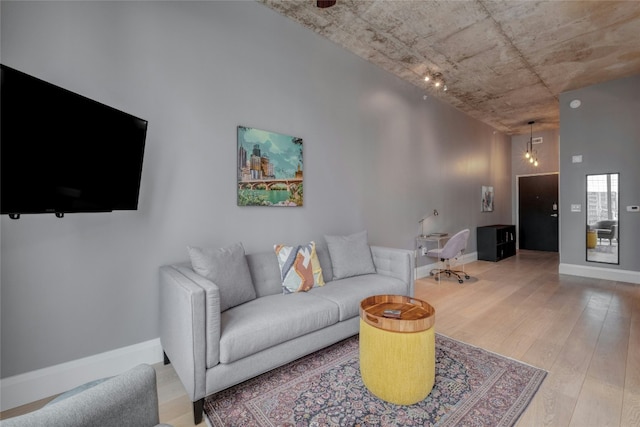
(212,350)
(129,399)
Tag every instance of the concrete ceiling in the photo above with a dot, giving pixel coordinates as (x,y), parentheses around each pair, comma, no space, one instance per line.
(504,62)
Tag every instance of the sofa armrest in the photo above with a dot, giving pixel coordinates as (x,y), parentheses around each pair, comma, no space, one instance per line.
(396,263)
(182,329)
(211,313)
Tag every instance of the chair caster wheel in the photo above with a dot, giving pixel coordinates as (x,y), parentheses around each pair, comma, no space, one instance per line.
(430,274)
(467,277)
(460,281)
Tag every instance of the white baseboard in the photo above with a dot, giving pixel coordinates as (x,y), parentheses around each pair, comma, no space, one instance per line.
(35,385)
(600,273)
(423,270)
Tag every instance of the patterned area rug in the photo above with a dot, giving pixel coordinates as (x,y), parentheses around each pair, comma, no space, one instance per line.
(473,387)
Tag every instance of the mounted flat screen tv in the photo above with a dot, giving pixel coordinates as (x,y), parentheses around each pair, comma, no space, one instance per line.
(64,153)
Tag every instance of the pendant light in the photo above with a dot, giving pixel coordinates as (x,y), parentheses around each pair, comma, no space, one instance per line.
(530,154)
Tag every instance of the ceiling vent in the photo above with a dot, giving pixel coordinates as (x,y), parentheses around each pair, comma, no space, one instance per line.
(537,140)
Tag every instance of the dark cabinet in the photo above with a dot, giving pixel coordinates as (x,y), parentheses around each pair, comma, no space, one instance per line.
(496,242)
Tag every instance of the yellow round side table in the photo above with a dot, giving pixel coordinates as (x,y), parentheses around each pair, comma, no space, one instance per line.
(397,349)
(592,239)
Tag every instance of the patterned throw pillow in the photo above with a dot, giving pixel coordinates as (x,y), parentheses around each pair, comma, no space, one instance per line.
(299,267)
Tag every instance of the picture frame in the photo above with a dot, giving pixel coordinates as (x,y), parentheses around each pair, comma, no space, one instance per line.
(269,168)
(488,197)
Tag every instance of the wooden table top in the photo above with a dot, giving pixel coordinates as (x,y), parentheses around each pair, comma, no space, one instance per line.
(415,315)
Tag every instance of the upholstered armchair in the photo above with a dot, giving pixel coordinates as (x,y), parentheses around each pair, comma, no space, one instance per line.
(607,229)
(129,399)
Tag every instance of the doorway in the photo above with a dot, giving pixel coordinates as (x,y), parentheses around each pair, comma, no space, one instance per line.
(538,212)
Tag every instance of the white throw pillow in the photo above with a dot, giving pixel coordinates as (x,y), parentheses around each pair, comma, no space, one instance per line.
(228,269)
(350,255)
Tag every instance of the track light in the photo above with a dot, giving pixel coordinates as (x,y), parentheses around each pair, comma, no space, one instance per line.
(438,81)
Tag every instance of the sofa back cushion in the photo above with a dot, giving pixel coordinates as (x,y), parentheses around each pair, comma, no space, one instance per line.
(265,270)
(265,273)
(350,255)
(325,261)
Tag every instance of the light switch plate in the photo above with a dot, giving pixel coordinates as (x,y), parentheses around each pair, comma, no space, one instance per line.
(576,159)
(633,208)
(576,208)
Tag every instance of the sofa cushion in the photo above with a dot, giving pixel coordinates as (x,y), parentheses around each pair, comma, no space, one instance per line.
(350,255)
(325,260)
(299,267)
(265,273)
(271,320)
(348,293)
(228,269)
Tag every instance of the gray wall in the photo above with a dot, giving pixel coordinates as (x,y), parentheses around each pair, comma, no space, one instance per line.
(377,156)
(605,130)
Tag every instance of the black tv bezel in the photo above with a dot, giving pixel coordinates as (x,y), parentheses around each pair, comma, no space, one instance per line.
(139,125)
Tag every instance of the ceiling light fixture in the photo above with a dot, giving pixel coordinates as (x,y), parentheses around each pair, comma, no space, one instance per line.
(530,154)
(437,80)
(323,4)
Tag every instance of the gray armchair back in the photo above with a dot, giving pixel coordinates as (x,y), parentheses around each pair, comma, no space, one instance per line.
(607,229)
(129,399)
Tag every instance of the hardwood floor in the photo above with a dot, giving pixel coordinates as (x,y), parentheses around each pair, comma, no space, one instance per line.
(584,332)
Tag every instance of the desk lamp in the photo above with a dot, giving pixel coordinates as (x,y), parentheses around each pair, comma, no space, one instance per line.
(421,222)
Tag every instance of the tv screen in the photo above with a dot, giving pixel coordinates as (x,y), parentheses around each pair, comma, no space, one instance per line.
(62,152)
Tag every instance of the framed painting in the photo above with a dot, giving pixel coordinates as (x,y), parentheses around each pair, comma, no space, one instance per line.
(487,198)
(270,168)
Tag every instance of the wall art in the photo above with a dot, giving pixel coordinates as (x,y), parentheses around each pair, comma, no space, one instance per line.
(487,198)
(270,171)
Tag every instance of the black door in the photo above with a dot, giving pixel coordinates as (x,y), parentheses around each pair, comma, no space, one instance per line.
(538,212)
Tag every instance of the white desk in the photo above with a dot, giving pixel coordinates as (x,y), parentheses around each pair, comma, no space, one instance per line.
(431,241)
(424,243)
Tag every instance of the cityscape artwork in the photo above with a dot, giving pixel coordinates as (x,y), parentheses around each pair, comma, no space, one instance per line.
(269,168)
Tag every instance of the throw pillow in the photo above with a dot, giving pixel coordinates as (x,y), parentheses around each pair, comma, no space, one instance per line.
(350,255)
(299,267)
(228,269)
